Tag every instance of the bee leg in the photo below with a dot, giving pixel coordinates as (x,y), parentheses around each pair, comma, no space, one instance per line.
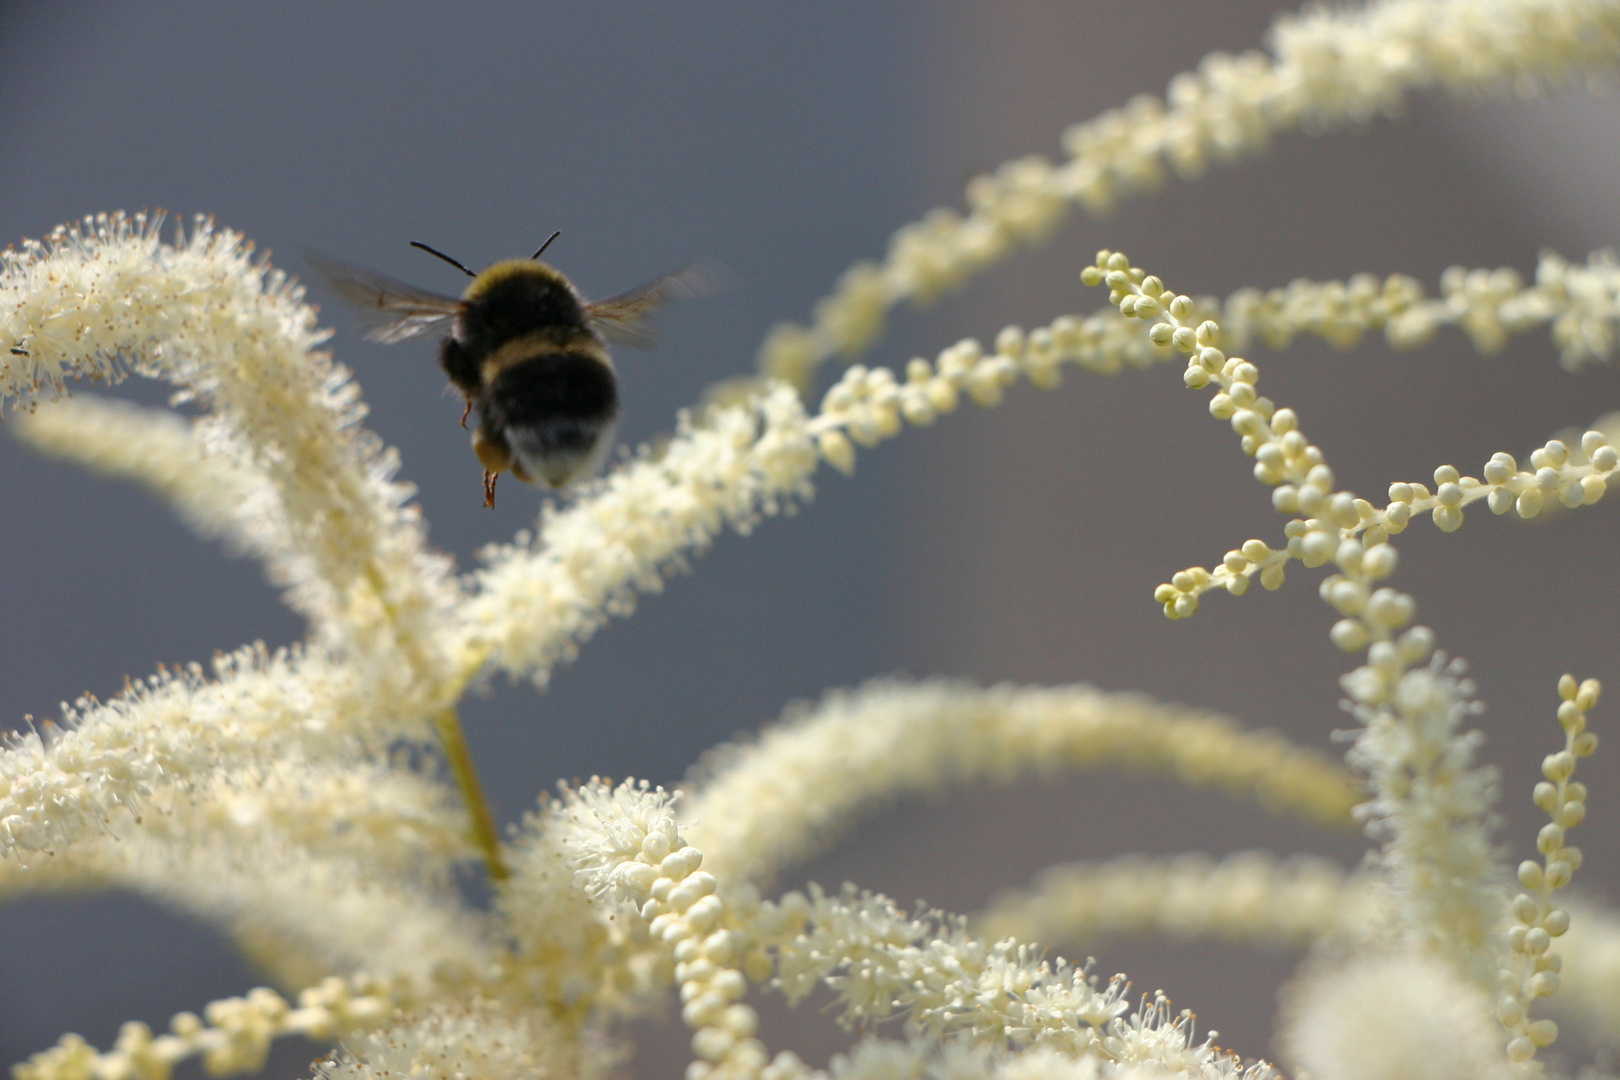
(494,455)
(464,413)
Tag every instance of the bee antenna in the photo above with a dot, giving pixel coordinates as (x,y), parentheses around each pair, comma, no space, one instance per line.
(443,256)
(547,244)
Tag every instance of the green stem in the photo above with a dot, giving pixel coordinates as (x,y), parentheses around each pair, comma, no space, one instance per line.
(472,792)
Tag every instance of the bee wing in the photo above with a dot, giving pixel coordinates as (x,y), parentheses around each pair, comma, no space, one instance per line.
(626,319)
(389,310)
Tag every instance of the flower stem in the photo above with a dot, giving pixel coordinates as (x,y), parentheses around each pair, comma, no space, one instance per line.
(485,836)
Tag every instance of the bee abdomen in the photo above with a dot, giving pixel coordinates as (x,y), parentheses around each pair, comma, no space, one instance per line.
(556,388)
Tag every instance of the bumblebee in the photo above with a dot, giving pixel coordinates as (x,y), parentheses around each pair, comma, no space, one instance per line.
(525,349)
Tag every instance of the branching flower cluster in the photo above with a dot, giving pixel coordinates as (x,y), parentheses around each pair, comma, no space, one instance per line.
(269,792)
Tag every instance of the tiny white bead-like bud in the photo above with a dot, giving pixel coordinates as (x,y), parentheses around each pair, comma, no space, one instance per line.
(703,1010)
(1347,596)
(837,450)
(712,1043)
(678,864)
(697,971)
(637,876)
(1559,766)
(720,946)
(1317,547)
(1342,510)
(1416,644)
(1528,503)
(1569,715)
(1379,562)
(1349,635)
(656,845)
(740,1020)
(1386,607)
(704,914)
(729,984)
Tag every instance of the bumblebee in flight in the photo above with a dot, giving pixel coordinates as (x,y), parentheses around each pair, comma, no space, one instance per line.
(525,349)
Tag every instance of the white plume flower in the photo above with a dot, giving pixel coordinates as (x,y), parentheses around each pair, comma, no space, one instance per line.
(320,804)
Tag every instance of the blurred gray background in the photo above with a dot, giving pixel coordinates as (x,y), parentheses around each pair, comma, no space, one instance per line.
(1020,544)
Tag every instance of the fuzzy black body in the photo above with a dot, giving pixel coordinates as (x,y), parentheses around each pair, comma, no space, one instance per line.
(522,352)
(524,349)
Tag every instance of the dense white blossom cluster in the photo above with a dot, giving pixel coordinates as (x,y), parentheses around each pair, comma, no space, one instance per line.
(767,804)
(270,794)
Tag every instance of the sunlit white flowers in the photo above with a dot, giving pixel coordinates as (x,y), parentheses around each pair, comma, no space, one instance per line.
(267,793)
